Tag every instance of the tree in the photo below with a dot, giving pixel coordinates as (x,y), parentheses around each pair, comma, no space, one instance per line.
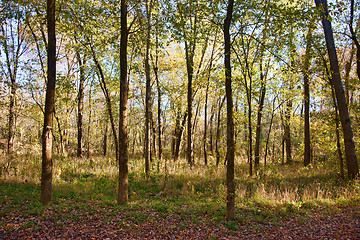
(230,183)
(148,105)
(354,38)
(13,43)
(81,63)
(306,68)
(350,153)
(47,139)
(124,89)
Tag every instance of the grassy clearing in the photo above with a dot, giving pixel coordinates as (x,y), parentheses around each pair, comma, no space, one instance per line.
(86,186)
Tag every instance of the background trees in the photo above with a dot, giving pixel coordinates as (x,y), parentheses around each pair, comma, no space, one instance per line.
(174,58)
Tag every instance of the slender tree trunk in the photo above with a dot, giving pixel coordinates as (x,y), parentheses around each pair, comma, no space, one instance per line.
(230,183)
(250,145)
(350,153)
(193,130)
(287,131)
(347,75)
(205,124)
(354,38)
(337,132)
(211,140)
(80,104)
(190,70)
(259,117)
(307,147)
(12,64)
(282,140)
(159,111)
(263,80)
(268,135)
(105,138)
(124,90)
(179,132)
(107,99)
(89,126)
(61,131)
(217,140)
(10,136)
(148,92)
(156,73)
(46,173)
(206,104)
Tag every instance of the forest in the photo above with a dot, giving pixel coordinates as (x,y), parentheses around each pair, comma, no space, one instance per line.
(179,119)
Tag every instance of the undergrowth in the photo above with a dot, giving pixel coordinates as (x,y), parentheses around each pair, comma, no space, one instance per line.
(90,185)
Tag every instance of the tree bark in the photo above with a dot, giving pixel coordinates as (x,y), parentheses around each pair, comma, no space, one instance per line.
(148,91)
(337,132)
(205,124)
(230,182)
(46,173)
(268,135)
(190,70)
(347,75)
(287,130)
(89,125)
(178,135)
(259,116)
(124,90)
(105,138)
(12,52)
(354,38)
(107,98)
(307,146)
(350,153)
(80,104)
(217,140)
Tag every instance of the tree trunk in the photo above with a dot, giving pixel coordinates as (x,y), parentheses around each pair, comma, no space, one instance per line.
(61,131)
(206,104)
(80,104)
(46,173)
(89,126)
(107,98)
(338,145)
(179,132)
(287,131)
(12,56)
(230,183)
(159,111)
(250,145)
(11,116)
(211,140)
(124,90)
(190,70)
(268,135)
(193,130)
(350,153)
(148,92)
(354,38)
(205,123)
(217,140)
(105,138)
(259,117)
(347,75)
(307,147)
(156,73)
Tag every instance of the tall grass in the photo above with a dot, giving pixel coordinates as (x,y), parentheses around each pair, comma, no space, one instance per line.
(204,186)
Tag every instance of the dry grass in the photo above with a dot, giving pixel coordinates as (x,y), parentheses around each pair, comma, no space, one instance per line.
(276,184)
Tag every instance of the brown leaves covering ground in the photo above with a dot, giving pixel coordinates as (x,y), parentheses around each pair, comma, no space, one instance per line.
(94,221)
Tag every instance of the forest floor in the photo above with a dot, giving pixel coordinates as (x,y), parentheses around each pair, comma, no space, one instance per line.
(301,204)
(93,221)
